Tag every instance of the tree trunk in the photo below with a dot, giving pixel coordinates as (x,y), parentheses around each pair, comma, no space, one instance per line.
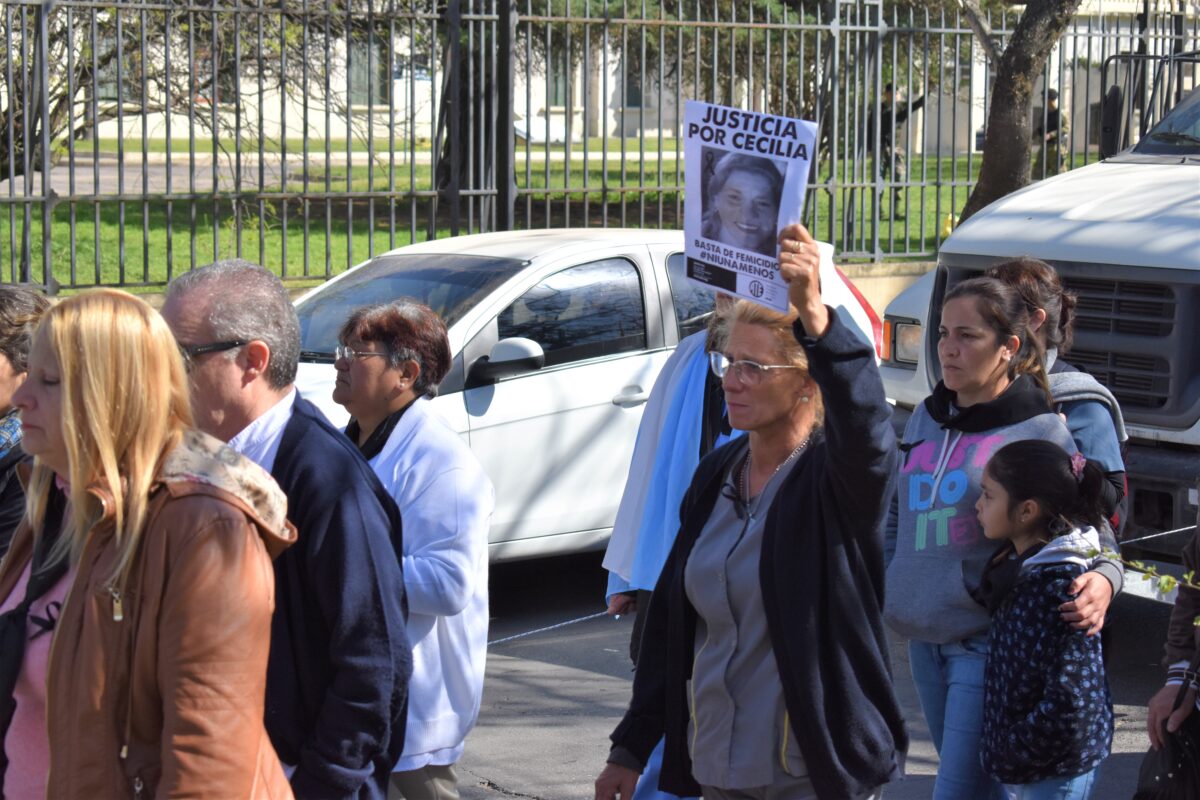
(1006,146)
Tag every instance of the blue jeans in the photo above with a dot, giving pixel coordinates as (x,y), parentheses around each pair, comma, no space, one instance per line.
(949,681)
(1077,788)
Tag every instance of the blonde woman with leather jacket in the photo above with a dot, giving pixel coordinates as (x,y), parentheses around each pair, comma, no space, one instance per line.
(155,679)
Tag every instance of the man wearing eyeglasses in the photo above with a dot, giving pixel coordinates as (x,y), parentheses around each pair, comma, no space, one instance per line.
(340,662)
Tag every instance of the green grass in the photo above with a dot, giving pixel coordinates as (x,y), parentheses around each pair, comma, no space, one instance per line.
(204,144)
(152,256)
(153,250)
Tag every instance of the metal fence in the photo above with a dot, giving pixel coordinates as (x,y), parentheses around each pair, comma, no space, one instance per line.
(139,139)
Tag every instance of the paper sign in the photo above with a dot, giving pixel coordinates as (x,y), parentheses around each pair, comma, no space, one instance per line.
(746,175)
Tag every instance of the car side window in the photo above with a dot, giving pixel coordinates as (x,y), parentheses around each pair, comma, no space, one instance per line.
(692,304)
(583,312)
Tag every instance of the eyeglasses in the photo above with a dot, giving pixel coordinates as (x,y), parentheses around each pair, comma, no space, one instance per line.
(349,353)
(748,372)
(193,351)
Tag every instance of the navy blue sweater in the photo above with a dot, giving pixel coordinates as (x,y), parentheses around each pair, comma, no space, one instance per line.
(821,571)
(338,673)
(1047,711)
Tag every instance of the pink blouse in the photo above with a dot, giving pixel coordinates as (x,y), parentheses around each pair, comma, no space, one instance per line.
(27,745)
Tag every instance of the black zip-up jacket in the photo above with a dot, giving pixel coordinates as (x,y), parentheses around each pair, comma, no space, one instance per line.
(822,584)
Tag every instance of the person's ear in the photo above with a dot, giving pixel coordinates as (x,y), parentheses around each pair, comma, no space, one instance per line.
(257,357)
(410,372)
(1011,348)
(1028,512)
(1037,319)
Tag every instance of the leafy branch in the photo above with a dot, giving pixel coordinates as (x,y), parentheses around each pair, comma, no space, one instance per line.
(1165,584)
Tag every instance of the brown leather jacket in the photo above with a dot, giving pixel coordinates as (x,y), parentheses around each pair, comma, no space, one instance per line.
(158,691)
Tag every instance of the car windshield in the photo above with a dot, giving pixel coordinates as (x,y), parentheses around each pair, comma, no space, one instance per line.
(1178,133)
(449,284)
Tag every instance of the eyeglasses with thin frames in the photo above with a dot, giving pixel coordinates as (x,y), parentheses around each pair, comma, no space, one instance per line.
(193,351)
(750,373)
(349,353)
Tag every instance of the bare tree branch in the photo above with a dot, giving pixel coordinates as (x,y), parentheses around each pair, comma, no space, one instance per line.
(983,31)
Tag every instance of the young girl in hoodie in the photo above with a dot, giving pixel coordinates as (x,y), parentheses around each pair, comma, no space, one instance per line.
(1047,716)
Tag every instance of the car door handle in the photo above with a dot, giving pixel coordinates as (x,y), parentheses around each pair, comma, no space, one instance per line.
(631,396)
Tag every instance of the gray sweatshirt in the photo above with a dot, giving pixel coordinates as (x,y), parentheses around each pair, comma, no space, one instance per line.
(935,544)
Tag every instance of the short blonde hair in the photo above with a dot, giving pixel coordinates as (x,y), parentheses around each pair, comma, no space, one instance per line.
(124,407)
(780,326)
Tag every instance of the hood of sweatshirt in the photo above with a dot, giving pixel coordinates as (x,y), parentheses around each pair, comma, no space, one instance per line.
(1078,547)
(1068,384)
(203,464)
(1021,400)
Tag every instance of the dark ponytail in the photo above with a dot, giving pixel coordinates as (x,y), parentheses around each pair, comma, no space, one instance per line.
(1034,469)
(1004,311)
(1041,288)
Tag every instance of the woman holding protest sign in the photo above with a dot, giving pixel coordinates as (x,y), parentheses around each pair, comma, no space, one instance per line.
(777,567)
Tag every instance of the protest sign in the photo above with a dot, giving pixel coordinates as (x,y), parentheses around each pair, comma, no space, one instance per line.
(746,174)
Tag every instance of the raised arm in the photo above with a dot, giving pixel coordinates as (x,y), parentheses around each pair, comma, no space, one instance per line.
(858,429)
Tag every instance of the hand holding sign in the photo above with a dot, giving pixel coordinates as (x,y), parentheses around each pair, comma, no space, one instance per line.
(800,268)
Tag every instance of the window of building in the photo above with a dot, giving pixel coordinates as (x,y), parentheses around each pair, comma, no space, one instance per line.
(633,85)
(369,72)
(560,79)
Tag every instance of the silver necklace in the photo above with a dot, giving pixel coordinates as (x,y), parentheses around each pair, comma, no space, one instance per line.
(742,480)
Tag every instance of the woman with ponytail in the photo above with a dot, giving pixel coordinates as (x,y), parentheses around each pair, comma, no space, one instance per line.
(993,392)
(155,682)
(1092,414)
(1047,715)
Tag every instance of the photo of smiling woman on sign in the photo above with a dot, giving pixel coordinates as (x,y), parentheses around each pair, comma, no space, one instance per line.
(741,201)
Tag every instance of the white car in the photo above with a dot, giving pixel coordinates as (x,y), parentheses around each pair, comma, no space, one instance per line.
(557,337)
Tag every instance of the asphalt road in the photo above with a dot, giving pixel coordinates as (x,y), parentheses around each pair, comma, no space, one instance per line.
(552,697)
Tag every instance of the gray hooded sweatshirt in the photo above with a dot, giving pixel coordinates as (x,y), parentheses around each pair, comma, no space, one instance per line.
(934,543)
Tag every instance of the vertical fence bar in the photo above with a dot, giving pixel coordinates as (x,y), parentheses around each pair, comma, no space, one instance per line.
(143,104)
(260,69)
(95,109)
(391,111)
(191,109)
(327,133)
(305,129)
(641,89)
(26,163)
(168,109)
(42,80)
(214,130)
(348,105)
(120,63)
(71,186)
(284,176)
(11,89)
(506,176)
(454,117)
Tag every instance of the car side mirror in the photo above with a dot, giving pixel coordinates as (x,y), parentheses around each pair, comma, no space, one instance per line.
(1110,122)
(509,357)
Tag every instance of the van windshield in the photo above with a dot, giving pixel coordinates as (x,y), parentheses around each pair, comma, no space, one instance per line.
(450,284)
(1178,133)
